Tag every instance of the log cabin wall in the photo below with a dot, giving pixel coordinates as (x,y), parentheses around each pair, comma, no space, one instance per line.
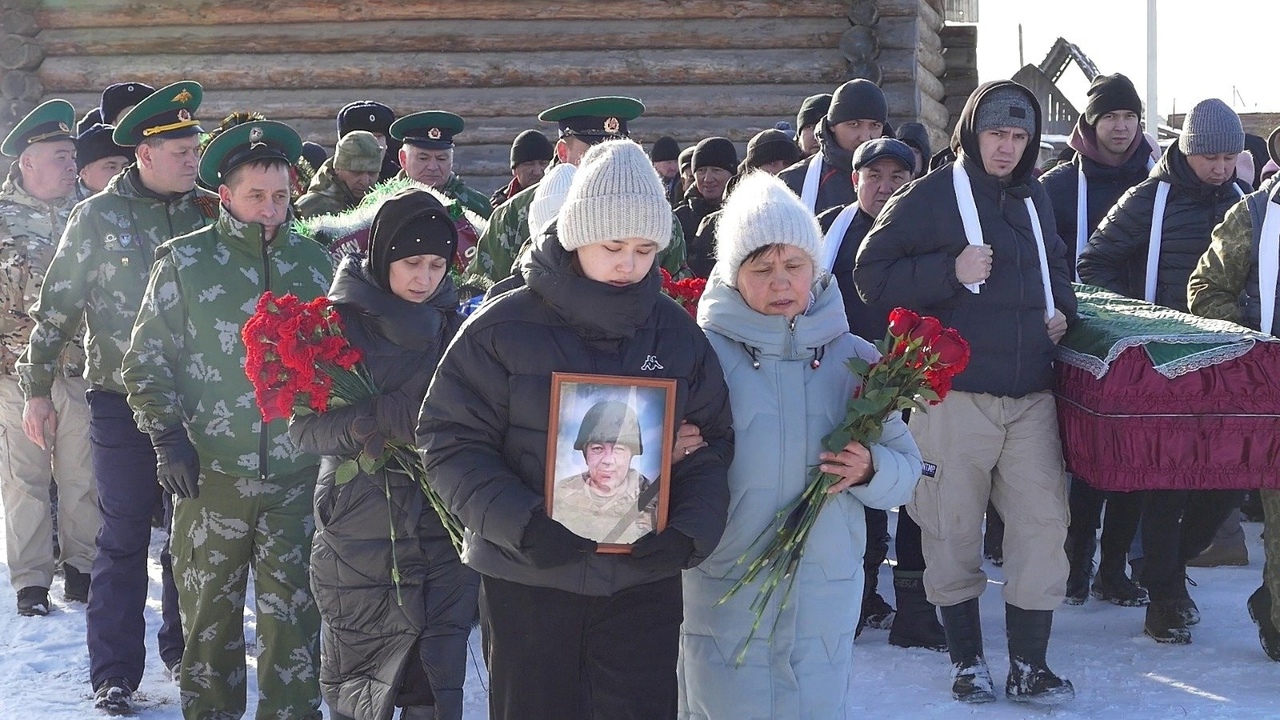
(702,67)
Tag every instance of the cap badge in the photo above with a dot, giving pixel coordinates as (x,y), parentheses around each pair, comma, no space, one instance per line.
(434,133)
(183,115)
(611,125)
(129,88)
(182,97)
(255,134)
(63,127)
(372,117)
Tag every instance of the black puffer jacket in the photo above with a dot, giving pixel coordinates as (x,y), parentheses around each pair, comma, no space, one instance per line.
(908,259)
(368,639)
(1116,257)
(483,430)
(1105,185)
(700,248)
(835,186)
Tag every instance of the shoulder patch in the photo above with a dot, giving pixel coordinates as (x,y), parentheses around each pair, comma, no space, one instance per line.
(208,205)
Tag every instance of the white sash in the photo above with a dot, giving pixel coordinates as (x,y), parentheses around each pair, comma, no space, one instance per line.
(1082,211)
(1269,265)
(1154,239)
(812,178)
(973,231)
(835,235)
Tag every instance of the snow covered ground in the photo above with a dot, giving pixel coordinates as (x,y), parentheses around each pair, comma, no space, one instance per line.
(1118,672)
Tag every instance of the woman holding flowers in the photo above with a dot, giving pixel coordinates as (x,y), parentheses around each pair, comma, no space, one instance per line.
(780,332)
(396,601)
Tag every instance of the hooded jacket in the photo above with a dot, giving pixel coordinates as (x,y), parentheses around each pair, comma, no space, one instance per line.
(908,259)
(835,186)
(1105,185)
(369,637)
(801,666)
(1116,256)
(483,429)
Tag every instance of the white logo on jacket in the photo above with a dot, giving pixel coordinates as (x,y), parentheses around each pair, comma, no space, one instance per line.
(651,363)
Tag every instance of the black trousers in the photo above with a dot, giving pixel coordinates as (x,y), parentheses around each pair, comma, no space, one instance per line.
(556,654)
(1178,525)
(1119,527)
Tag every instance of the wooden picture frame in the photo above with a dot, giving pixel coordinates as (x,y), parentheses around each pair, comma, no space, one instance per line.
(609,443)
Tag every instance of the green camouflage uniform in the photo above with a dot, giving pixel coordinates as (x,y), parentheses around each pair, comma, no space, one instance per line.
(326,195)
(186,365)
(97,276)
(471,199)
(508,233)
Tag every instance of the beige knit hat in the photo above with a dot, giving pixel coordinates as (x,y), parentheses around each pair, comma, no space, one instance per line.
(762,211)
(549,196)
(615,194)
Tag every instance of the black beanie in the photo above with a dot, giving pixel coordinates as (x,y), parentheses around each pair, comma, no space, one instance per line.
(1109,93)
(95,143)
(686,157)
(411,222)
(858,100)
(812,110)
(770,146)
(666,148)
(531,145)
(315,154)
(715,152)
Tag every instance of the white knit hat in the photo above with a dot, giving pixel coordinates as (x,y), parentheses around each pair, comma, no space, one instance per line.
(549,196)
(761,211)
(616,194)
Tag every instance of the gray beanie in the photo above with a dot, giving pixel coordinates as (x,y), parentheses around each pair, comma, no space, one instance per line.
(616,194)
(1211,128)
(1006,106)
(762,211)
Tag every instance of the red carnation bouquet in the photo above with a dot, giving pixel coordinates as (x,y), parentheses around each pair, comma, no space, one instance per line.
(918,359)
(687,292)
(300,362)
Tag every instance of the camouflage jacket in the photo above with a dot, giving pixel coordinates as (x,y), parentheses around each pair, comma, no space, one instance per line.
(185,363)
(1225,283)
(97,276)
(508,233)
(29,231)
(326,195)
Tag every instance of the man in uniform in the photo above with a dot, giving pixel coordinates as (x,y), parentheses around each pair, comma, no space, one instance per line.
(94,284)
(374,117)
(427,156)
(98,159)
(343,180)
(243,491)
(583,123)
(35,201)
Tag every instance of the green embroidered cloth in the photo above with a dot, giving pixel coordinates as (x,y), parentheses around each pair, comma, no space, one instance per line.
(1175,342)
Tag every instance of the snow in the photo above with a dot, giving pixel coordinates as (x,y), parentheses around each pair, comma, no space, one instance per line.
(1117,671)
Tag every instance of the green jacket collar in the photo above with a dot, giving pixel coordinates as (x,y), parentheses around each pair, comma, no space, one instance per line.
(250,236)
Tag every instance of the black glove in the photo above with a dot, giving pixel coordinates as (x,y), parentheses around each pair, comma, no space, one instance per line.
(177,465)
(668,550)
(549,544)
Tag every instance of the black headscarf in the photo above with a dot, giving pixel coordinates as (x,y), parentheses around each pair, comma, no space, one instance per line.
(411,222)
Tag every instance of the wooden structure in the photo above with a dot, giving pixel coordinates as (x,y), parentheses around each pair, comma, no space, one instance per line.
(702,67)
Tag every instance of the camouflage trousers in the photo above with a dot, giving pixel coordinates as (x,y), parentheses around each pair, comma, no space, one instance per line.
(1271,549)
(235,525)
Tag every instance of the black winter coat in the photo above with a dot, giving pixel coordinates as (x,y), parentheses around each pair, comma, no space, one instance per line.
(1116,257)
(483,430)
(700,247)
(1105,185)
(868,323)
(835,187)
(369,639)
(908,259)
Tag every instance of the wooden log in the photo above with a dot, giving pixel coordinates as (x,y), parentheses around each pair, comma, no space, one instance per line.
(456,35)
(960,57)
(436,70)
(864,12)
(959,35)
(901,97)
(868,70)
(859,44)
(149,13)
(898,33)
(20,53)
(929,84)
(932,60)
(898,8)
(929,17)
(19,22)
(933,112)
(898,64)
(21,85)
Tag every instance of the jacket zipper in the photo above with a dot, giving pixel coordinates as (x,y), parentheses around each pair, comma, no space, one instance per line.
(262,433)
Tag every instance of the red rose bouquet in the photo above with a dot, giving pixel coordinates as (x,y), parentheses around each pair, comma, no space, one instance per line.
(687,292)
(918,359)
(300,362)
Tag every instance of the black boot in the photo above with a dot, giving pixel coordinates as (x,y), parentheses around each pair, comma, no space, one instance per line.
(971,679)
(916,624)
(1030,679)
(1260,612)
(1112,585)
(1080,546)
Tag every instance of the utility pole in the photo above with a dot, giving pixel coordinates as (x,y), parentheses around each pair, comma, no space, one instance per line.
(1153,117)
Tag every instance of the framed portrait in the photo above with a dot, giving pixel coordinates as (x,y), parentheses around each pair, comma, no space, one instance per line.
(609,444)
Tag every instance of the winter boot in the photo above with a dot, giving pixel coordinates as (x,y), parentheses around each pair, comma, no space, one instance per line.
(876,612)
(1166,624)
(1030,679)
(971,678)
(1222,554)
(33,601)
(1260,613)
(916,624)
(115,697)
(1118,589)
(75,587)
(1186,607)
(1080,546)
